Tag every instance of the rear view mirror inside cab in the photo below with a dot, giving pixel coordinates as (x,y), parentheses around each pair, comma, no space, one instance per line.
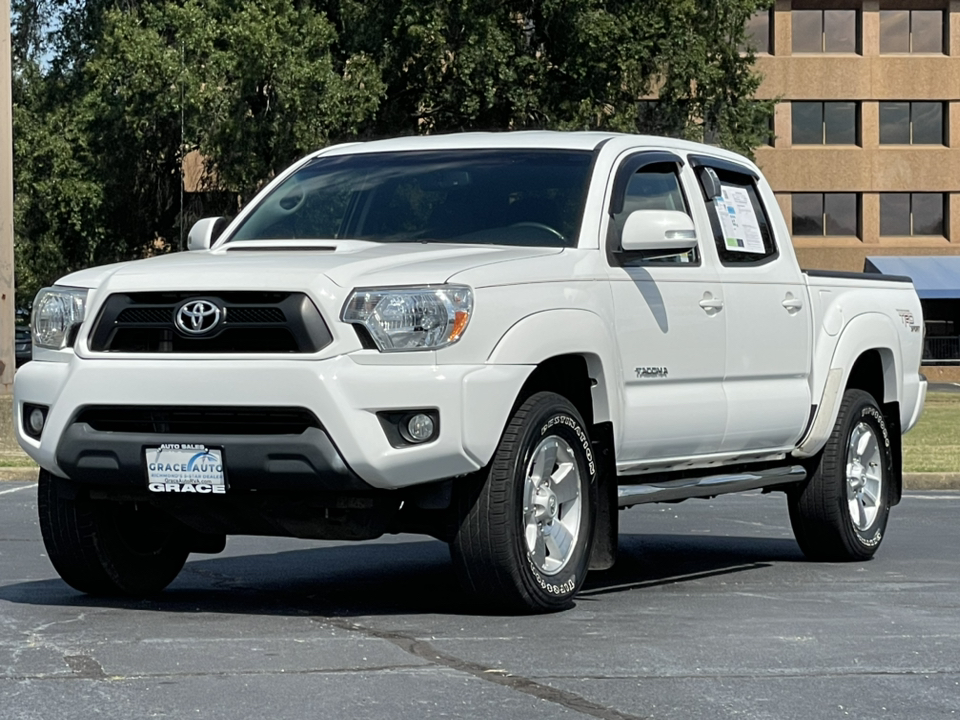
(445,179)
(658,231)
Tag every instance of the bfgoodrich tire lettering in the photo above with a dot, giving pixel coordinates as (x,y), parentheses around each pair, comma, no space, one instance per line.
(841,513)
(107,548)
(524,530)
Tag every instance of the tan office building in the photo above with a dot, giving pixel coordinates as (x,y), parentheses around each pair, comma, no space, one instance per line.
(866,155)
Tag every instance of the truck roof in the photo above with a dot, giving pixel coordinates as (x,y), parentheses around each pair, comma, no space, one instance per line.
(525,139)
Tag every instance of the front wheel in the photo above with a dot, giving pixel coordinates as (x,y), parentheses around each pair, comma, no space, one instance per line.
(841,513)
(525,526)
(107,548)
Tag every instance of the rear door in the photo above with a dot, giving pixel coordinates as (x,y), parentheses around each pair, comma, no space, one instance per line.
(768,331)
(669,325)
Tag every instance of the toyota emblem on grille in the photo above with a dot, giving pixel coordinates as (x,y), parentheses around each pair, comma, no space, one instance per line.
(198,317)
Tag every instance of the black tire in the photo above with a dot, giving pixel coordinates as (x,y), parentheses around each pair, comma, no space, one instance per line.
(107,548)
(822,510)
(489,547)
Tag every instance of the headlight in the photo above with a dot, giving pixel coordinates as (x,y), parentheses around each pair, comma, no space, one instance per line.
(56,312)
(411,318)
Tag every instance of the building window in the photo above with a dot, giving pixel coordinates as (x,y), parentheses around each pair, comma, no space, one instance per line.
(911,31)
(825,123)
(757,34)
(913,214)
(911,123)
(820,214)
(825,31)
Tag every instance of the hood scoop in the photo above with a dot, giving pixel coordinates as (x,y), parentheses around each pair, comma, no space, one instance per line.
(281,248)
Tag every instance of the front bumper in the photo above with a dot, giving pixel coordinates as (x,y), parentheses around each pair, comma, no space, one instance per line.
(307,461)
(343,392)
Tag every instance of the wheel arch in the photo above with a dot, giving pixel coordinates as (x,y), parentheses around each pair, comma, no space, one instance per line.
(558,341)
(866,357)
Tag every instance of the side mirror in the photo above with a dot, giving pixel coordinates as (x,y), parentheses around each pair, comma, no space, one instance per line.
(666,231)
(204,232)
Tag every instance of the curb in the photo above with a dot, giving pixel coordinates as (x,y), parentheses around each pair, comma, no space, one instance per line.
(931,481)
(18,474)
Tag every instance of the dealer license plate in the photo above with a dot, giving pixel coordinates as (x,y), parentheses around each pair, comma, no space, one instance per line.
(185,468)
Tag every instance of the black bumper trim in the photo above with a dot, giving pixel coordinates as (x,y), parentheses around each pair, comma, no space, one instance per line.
(305,462)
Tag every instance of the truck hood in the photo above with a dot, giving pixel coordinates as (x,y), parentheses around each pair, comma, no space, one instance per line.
(270,265)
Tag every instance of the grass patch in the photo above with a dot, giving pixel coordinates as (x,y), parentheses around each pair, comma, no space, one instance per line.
(934,443)
(932,446)
(11,456)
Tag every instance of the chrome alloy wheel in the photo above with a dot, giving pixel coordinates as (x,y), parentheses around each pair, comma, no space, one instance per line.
(864,476)
(551,505)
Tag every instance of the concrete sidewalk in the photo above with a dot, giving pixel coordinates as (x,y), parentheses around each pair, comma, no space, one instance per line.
(931,481)
(18,474)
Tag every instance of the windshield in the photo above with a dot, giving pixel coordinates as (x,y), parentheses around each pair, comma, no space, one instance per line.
(498,197)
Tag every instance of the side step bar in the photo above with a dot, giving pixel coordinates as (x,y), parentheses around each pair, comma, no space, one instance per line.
(706,487)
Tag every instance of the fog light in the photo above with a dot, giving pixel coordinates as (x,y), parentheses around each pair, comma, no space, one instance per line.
(420,427)
(36,420)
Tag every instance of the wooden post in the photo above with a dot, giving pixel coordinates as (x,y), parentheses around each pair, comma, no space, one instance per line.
(7,300)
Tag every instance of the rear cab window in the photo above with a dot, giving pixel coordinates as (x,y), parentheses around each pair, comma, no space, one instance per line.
(739,221)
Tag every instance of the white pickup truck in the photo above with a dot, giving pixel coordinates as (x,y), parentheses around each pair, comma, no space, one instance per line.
(495,339)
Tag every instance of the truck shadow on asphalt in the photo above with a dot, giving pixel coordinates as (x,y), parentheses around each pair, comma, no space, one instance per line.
(404,577)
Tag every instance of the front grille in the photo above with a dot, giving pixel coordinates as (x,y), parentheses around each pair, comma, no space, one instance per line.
(256,315)
(145,316)
(172,420)
(252,322)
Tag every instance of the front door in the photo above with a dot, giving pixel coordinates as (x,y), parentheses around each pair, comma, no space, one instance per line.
(670,327)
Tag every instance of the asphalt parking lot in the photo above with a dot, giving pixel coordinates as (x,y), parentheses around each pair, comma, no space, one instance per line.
(711,613)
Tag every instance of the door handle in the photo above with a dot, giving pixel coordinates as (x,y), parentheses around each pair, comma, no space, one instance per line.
(792,304)
(711,304)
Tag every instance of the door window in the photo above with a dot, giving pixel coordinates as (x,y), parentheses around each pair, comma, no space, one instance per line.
(653,187)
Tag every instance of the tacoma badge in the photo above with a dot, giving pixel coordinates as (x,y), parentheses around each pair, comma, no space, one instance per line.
(651,372)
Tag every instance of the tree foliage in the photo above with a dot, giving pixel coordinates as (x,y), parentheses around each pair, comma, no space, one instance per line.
(561,64)
(110,95)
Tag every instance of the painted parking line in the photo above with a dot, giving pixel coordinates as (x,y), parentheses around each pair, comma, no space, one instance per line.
(17,489)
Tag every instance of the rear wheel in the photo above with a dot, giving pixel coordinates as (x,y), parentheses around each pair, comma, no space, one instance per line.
(107,548)
(524,531)
(841,512)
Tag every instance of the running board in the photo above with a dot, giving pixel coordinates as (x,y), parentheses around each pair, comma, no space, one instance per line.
(705,487)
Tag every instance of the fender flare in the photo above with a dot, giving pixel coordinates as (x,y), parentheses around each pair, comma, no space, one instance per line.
(869,331)
(552,333)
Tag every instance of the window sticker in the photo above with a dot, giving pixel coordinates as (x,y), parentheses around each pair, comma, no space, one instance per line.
(741,231)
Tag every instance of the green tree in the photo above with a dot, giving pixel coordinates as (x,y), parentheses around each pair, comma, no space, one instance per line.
(57,194)
(110,96)
(561,64)
(102,128)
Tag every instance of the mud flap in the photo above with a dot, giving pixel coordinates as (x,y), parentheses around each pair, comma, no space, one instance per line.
(606,528)
(891,414)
